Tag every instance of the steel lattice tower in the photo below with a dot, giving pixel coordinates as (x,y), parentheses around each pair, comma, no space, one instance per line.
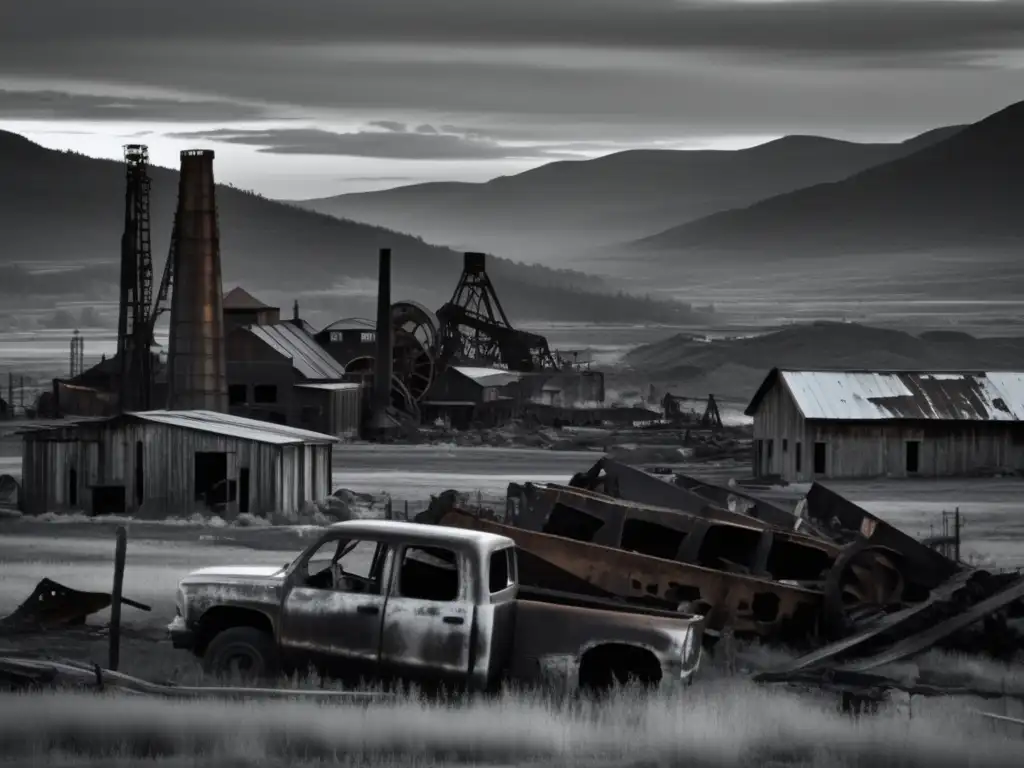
(134,330)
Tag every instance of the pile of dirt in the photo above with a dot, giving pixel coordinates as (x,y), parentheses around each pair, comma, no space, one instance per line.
(736,366)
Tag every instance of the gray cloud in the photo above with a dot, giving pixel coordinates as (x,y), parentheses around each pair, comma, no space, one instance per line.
(548,71)
(827,26)
(57,105)
(394,143)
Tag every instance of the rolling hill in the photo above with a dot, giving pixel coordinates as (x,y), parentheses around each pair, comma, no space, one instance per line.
(61,215)
(574,205)
(961,193)
(735,367)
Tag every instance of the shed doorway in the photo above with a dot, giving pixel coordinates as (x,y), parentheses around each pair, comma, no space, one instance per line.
(211,477)
(108,500)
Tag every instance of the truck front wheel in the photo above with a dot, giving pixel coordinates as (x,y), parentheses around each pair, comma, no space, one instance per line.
(241,652)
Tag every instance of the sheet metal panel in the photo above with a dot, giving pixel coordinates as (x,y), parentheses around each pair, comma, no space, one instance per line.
(235,426)
(308,358)
(858,396)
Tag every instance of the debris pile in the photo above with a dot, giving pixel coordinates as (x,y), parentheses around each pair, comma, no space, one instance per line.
(828,579)
(53,606)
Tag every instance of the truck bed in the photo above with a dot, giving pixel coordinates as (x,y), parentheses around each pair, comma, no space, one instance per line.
(557,597)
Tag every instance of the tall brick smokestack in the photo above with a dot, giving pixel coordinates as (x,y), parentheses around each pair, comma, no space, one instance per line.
(196,378)
(382,364)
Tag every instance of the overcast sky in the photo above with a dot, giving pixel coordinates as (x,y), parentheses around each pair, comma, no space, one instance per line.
(304,98)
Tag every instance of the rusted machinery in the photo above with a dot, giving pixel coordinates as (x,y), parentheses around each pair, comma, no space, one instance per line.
(52,605)
(677,415)
(830,573)
(475,329)
(197,374)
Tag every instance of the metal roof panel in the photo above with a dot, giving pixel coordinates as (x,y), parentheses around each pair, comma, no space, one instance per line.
(235,426)
(310,359)
(907,395)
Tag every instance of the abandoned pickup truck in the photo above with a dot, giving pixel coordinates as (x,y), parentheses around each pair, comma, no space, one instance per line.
(380,601)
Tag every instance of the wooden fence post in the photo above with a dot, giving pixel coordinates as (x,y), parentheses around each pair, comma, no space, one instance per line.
(115,601)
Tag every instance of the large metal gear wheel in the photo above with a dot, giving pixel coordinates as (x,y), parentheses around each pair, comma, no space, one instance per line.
(865,581)
(414,354)
(401,398)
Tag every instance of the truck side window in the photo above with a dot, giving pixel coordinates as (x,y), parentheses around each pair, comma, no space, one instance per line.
(500,573)
(429,573)
(352,566)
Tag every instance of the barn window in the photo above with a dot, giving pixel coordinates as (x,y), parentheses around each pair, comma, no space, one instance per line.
(264,393)
(236,394)
(367,337)
(771,451)
(819,458)
(785,444)
(797,447)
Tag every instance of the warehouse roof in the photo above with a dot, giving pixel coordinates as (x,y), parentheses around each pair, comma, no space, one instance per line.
(310,359)
(900,395)
(235,426)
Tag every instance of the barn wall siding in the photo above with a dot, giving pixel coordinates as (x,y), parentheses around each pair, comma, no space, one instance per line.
(878,449)
(105,455)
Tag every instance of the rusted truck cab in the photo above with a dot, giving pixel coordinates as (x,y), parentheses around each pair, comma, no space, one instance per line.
(381,600)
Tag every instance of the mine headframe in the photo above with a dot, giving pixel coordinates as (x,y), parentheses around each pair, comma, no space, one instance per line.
(134,336)
(475,329)
(674,412)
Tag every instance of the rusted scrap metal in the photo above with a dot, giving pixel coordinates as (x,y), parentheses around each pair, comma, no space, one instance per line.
(858,582)
(52,605)
(622,481)
(751,606)
(843,521)
(737,501)
(530,505)
(964,600)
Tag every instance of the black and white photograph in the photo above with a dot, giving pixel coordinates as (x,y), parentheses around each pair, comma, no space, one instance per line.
(680,341)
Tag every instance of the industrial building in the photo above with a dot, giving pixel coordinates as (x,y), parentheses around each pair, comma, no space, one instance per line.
(159,464)
(278,373)
(813,425)
(464,395)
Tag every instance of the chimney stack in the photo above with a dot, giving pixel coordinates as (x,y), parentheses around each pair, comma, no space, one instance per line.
(382,365)
(197,378)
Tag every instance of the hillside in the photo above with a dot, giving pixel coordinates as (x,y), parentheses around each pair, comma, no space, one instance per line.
(571,205)
(963,192)
(735,367)
(61,215)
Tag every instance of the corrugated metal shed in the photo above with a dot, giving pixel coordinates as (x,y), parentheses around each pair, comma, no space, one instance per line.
(310,359)
(901,395)
(488,377)
(239,427)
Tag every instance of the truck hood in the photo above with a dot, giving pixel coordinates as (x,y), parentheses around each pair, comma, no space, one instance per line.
(238,572)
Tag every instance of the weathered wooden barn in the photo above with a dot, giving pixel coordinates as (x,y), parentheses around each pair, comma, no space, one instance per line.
(159,464)
(811,425)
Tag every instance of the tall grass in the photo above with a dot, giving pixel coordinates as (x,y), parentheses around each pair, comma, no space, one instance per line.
(719,724)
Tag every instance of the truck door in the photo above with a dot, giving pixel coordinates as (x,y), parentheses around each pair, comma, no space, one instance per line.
(333,609)
(428,619)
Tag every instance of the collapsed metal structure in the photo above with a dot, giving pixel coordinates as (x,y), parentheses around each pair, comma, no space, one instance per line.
(828,577)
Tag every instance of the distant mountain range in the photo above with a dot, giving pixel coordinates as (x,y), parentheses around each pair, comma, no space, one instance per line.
(62,214)
(565,207)
(962,192)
